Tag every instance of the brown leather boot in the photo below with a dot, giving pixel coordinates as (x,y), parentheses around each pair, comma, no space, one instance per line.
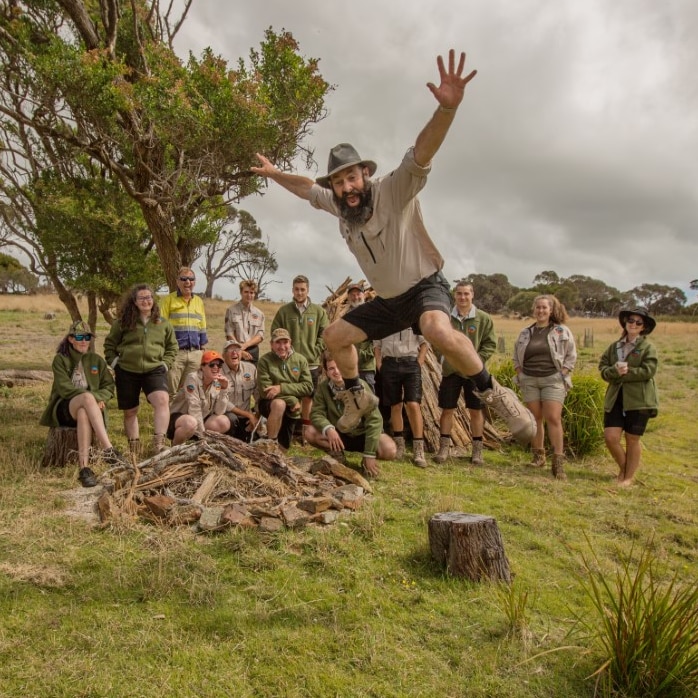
(558,470)
(476,455)
(418,453)
(400,443)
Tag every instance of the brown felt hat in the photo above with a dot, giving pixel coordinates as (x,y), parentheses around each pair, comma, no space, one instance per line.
(342,156)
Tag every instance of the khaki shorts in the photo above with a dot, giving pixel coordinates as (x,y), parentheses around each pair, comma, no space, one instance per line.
(538,389)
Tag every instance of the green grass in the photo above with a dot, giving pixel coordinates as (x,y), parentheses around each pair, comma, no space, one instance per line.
(356,609)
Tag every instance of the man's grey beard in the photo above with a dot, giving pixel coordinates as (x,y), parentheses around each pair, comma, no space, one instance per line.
(360,214)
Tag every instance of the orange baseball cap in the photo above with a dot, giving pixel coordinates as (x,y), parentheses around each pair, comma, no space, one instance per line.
(211,356)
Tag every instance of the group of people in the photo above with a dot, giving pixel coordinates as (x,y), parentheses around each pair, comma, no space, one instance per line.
(381,221)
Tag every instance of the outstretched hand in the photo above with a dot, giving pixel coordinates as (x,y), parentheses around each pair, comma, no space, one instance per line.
(266,169)
(449,93)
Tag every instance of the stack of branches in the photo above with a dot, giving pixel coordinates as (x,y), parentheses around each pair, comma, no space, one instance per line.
(337,303)
(218,471)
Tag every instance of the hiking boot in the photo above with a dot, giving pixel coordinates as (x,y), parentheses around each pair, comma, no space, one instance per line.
(444,450)
(476,455)
(158,444)
(558,470)
(418,453)
(538,460)
(400,451)
(506,405)
(357,403)
(87,477)
(112,456)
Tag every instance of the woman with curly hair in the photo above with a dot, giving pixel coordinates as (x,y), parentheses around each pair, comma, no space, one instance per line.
(141,347)
(544,357)
(82,385)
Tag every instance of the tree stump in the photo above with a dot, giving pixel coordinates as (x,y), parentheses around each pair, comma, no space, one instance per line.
(469,545)
(61,447)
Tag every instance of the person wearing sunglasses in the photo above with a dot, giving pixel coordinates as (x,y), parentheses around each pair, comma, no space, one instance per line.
(186,313)
(629,366)
(201,403)
(141,347)
(82,385)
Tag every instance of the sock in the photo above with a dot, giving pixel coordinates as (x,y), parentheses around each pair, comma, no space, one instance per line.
(351,383)
(477,438)
(397,434)
(445,436)
(482,380)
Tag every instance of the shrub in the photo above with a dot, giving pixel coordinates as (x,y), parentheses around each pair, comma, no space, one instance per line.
(645,630)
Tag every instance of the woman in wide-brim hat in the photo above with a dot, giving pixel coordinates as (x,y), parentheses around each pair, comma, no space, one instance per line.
(629,366)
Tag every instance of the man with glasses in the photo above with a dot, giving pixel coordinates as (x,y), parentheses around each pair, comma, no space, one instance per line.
(242,379)
(201,403)
(186,314)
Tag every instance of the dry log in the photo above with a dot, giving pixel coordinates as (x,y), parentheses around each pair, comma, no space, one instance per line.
(213,477)
(61,447)
(18,376)
(469,545)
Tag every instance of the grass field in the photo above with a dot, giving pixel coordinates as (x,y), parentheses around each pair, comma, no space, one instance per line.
(357,609)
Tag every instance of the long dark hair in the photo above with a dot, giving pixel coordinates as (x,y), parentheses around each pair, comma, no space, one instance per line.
(64,346)
(128,311)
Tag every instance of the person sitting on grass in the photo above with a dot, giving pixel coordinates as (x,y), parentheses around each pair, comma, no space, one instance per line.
(200,403)
(82,385)
(367,438)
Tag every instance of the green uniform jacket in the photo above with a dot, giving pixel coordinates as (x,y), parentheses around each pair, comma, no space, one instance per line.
(292,374)
(367,357)
(327,410)
(480,331)
(99,382)
(142,349)
(639,388)
(305,330)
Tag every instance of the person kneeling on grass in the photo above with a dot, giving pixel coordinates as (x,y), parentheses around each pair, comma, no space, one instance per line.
(82,385)
(200,404)
(367,438)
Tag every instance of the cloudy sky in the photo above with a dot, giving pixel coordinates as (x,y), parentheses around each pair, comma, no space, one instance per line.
(575,148)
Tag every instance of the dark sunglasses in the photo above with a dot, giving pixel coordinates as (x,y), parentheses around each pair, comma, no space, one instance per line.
(82,337)
(630,321)
(215,364)
(187,278)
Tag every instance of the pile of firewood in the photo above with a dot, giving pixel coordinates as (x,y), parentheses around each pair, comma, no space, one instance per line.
(219,481)
(337,304)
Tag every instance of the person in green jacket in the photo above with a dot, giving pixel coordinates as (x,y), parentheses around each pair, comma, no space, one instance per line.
(82,385)
(367,438)
(141,348)
(629,366)
(305,322)
(283,378)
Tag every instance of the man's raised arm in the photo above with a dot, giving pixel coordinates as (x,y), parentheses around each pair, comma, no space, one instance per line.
(296,184)
(449,94)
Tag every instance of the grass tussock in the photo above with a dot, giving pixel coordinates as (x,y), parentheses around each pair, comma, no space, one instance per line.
(645,628)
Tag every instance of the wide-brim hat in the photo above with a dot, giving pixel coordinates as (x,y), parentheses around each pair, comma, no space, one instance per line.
(342,156)
(650,322)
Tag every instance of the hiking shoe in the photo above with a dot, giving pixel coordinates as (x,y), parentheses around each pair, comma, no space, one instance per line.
(87,477)
(357,403)
(444,449)
(418,453)
(112,456)
(506,405)
(538,458)
(400,447)
(476,455)
(558,469)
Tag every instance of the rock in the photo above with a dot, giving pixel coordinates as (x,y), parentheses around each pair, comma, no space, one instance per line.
(269,524)
(237,515)
(184,514)
(159,504)
(293,516)
(350,496)
(210,519)
(314,505)
(325,517)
